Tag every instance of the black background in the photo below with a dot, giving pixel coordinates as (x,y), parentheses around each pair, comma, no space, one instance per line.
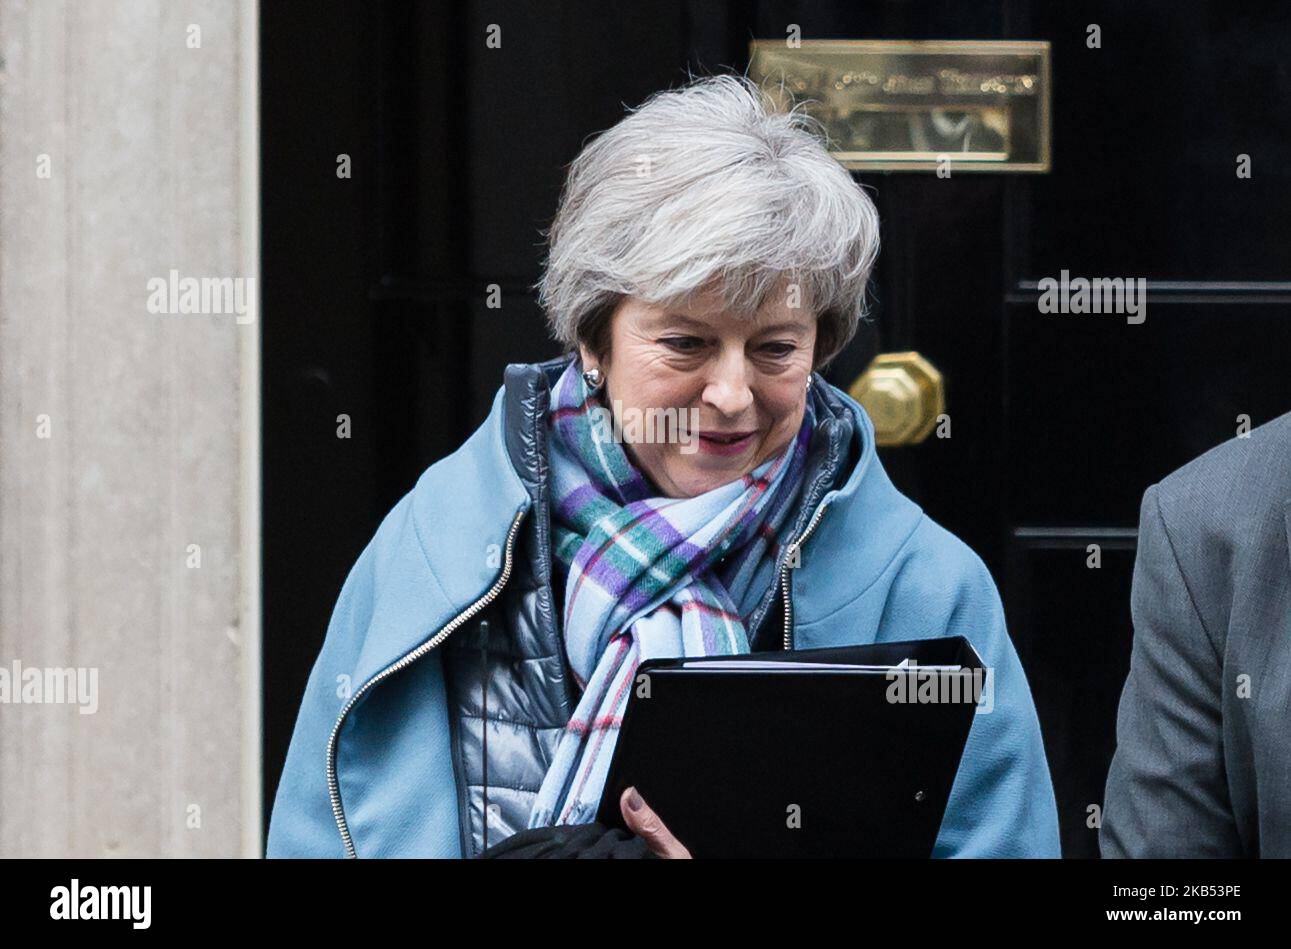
(227,896)
(374,286)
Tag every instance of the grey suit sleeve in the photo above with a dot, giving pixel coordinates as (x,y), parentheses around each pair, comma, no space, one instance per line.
(1166,791)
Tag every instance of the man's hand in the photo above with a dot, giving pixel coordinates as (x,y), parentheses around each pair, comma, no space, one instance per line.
(645,823)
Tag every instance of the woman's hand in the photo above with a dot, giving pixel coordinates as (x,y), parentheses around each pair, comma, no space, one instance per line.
(645,823)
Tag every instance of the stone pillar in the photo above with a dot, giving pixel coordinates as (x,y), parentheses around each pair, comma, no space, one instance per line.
(129,433)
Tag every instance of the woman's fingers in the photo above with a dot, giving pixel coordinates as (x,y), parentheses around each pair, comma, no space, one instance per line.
(645,823)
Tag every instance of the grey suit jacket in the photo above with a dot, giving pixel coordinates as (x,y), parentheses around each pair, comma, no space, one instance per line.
(1203,757)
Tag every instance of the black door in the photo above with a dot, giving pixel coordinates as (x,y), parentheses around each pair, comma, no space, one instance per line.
(375,285)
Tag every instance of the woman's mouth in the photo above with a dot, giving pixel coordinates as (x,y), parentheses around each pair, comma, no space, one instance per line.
(725,443)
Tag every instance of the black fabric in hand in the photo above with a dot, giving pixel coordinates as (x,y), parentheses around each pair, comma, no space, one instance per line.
(571,842)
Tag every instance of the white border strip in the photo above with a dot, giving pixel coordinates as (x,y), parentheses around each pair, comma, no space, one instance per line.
(249,393)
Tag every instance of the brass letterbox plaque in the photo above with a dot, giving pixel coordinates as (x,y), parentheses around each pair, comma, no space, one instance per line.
(918,105)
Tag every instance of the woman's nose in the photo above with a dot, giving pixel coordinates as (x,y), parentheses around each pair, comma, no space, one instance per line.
(728,389)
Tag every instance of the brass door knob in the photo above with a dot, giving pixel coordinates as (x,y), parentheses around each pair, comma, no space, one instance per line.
(903,394)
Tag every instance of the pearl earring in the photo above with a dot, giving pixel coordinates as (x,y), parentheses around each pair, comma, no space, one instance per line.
(593,379)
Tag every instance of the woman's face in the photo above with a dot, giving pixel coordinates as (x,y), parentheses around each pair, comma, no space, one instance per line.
(738,387)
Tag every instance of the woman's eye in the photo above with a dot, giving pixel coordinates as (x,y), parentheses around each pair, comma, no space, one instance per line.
(779,350)
(683,344)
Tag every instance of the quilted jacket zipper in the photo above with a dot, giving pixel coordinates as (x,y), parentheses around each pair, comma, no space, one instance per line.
(333,781)
(791,553)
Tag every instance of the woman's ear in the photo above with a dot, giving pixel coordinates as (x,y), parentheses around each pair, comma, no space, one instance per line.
(591,360)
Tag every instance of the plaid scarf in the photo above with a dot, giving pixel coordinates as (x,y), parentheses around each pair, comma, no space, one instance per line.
(645,577)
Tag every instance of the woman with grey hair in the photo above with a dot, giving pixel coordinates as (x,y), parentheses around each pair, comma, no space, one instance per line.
(682,483)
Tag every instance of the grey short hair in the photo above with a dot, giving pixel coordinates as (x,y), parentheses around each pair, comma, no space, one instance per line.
(710,184)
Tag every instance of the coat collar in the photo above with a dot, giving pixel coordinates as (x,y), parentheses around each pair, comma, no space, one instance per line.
(469,500)
(840,448)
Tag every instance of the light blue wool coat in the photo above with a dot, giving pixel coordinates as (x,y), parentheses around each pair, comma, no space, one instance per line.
(876,569)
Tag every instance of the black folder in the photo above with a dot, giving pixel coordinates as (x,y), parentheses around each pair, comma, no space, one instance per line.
(847,752)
